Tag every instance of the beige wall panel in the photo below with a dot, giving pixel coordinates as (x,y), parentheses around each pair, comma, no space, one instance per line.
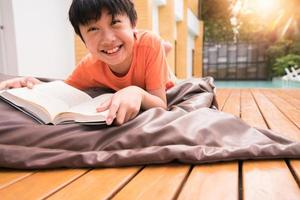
(193,5)
(198,55)
(167,28)
(181,45)
(144,12)
(80,49)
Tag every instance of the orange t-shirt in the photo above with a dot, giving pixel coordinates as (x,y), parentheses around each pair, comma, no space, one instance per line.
(148,69)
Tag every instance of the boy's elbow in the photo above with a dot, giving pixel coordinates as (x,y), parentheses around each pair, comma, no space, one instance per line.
(164,104)
(167,46)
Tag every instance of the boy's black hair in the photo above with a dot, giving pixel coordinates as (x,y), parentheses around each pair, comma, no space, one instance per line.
(82,12)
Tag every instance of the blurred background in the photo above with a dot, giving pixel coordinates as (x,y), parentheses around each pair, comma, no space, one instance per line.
(230,40)
(250,39)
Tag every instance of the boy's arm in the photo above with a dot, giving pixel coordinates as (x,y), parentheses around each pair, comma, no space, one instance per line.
(154,98)
(126,103)
(19,82)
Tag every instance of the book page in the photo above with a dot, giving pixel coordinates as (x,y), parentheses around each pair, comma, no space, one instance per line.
(64,92)
(89,107)
(85,112)
(49,98)
(31,99)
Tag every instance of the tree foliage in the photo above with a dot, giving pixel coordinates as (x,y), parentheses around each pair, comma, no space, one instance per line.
(279,28)
(216,17)
(282,54)
(251,26)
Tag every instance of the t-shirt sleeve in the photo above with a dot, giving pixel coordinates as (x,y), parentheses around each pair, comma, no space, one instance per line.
(157,67)
(80,76)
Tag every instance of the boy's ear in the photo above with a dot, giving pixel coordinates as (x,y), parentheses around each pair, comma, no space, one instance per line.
(135,32)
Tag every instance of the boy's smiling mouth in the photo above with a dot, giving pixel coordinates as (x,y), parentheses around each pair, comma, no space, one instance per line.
(113,50)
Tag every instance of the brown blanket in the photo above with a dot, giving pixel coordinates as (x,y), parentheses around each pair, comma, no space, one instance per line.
(191,131)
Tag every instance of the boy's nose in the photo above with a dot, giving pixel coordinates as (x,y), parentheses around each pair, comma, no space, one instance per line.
(108,37)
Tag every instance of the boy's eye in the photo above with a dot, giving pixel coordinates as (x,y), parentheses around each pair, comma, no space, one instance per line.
(115,21)
(92,29)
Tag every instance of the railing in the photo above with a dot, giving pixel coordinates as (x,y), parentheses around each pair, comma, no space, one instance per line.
(235,61)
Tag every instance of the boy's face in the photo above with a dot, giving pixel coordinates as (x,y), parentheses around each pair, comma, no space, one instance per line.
(110,41)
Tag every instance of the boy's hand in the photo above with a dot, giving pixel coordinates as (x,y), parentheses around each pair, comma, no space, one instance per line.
(19,82)
(123,106)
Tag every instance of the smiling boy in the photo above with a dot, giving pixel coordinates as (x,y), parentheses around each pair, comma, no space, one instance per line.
(133,63)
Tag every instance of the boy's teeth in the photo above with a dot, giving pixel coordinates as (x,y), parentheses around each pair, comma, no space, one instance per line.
(112,50)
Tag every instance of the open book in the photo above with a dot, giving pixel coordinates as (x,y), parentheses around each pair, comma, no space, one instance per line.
(57,103)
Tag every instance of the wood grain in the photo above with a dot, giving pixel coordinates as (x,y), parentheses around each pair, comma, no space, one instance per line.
(40,184)
(155,182)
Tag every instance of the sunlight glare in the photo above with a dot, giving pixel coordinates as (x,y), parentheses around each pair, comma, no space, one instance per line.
(277,19)
(287,25)
(266,5)
(264,8)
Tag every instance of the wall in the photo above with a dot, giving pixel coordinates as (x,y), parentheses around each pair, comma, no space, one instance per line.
(80,49)
(44,38)
(144,12)
(167,29)
(8,59)
(190,56)
(198,52)
(2,47)
(194,5)
(181,43)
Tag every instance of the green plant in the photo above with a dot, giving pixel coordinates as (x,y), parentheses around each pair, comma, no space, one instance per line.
(290,60)
(281,54)
(277,50)
(295,47)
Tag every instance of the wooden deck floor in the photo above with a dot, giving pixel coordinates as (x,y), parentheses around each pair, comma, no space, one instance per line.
(273,179)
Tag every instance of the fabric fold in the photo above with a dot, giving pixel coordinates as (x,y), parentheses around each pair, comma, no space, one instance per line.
(191,131)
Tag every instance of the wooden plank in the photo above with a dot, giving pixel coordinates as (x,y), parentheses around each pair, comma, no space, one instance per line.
(288,129)
(289,98)
(212,181)
(222,96)
(289,110)
(216,181)
(293,92)
(292,113)
(97,184)
(261,176)
(250,112)
(270,180)
(8,177)
(274,118)
(296,167)
(232,105)
(40,184)
(155,182)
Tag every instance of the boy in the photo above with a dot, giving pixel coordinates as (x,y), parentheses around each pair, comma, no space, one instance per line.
(130,62)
